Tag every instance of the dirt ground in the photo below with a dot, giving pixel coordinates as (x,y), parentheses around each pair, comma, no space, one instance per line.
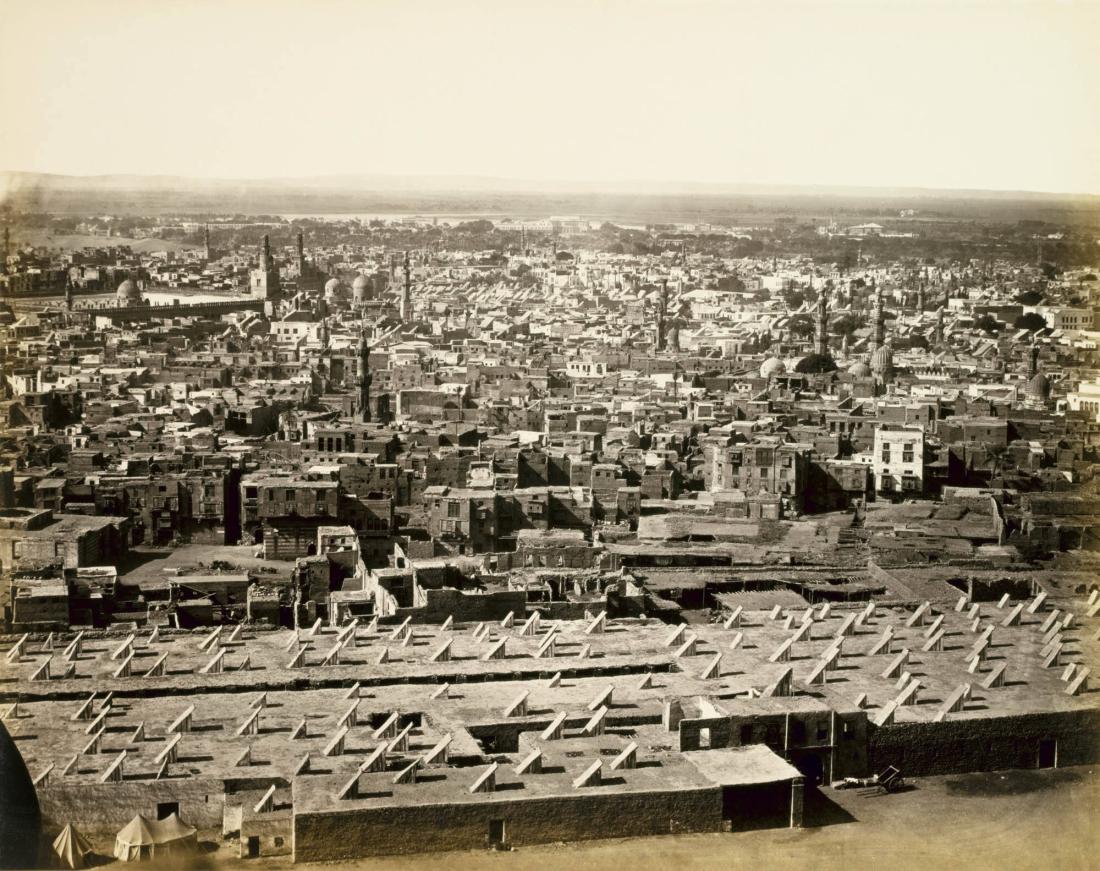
(1003,820)
(145,563)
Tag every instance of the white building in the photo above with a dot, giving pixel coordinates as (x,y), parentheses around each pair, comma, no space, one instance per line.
(1085,398)
(898,460)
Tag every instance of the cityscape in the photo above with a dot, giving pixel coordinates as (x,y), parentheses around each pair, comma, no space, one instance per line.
(499,521)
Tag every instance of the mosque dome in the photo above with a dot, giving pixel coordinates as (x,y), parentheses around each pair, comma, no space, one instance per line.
(882,361)
(335,290)
(772,366)
(1038,388)
(20,818)
(361,288)
(859,369)
(128,292)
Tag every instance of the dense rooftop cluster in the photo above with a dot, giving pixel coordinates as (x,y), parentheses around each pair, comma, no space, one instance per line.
(304,533)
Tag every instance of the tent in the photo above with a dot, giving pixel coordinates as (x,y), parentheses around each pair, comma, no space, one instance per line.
(71,848)
(143,838)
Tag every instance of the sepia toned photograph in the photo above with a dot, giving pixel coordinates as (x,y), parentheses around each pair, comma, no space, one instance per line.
(549,434)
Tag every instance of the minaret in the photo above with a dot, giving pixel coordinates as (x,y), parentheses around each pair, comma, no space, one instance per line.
(322,334)
(406,292)
(821,322)
(7,250)
(265,254)
(206,242)
(939,325)
(877,320)
(920,295)
(68,291)
(365,377)
(662,307)
(1033,362)
(301,257)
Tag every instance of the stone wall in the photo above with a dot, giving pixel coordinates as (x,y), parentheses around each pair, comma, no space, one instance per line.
(107,807)
(985,744)
(342,835)
(467,607)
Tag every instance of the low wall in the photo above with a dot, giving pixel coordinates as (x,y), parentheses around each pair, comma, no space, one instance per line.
(466,607)
(342,835)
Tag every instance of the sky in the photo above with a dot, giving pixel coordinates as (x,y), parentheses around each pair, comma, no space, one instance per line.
(954,94)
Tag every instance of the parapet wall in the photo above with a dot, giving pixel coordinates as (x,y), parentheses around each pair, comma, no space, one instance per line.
(342,835)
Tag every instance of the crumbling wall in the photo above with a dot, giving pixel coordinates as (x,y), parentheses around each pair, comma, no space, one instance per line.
(465,826)
(985,743)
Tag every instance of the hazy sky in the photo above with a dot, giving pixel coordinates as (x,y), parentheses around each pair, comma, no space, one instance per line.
(999,95)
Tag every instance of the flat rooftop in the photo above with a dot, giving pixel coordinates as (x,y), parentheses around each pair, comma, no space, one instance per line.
(482,689)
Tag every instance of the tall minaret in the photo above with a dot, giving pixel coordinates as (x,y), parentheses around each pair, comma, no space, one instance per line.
(662,308)
(939,325)
(68,291)
(7,251)
(365,377)
(206,242)
(265,254)
(406,292)
(1033,362)
(821,322)
(920,295)
(877,321)
(301,257)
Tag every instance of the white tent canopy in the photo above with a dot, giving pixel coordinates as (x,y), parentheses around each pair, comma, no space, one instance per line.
(142,838)
(71,848)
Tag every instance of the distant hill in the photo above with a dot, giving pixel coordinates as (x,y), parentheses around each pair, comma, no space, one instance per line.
(148,195)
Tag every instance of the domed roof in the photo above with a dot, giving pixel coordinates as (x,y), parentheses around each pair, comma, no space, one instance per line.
(128,292)
(1038,387)
(335,289)
(859,369)
(361,288)
(882,360)
(772,366)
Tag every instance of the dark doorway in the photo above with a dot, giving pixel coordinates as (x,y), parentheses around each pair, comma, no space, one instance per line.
(253,846)
(812,767)
(1048,753)
(167,808)
(496,832)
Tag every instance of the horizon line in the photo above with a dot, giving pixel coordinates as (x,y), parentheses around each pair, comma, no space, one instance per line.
(511,184)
